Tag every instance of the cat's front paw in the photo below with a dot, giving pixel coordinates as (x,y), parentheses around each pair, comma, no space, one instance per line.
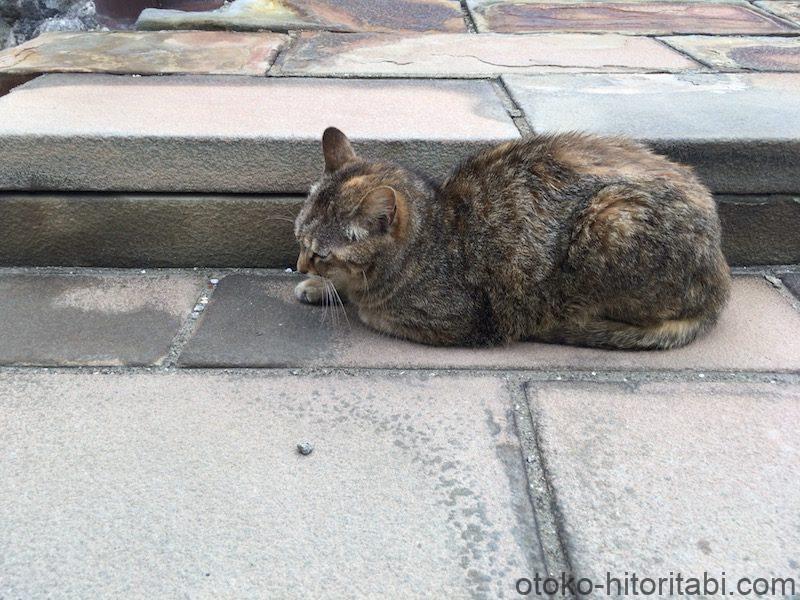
(310,291)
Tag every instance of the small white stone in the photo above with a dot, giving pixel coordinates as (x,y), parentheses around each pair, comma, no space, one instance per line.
(213,281)
(287,270)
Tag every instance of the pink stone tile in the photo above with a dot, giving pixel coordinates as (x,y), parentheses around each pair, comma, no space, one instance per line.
(469,55)
(759,331)
(764,53)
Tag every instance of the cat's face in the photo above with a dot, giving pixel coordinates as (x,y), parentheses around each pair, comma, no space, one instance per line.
(351,215)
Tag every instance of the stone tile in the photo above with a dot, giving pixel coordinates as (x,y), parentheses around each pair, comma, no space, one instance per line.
(165,485)
(145,52)
(230,134)
(332,15)
(116,14)
(715,122)
(787,10)
(664,478)
(255,321)
(751,53)
(95,320)
(144,230)
(792,281)
(469,55)
(520,16)
(760,230)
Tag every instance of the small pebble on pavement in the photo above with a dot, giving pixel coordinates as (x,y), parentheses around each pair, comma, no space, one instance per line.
(305,448)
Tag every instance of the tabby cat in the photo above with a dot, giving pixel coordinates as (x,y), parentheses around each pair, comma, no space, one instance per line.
(571,238)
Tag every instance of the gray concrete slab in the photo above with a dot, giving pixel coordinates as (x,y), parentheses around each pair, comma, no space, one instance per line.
(74,320)
(255,321)
(189,484)
(88,132)
(148,230)
(740,131)
(658,479)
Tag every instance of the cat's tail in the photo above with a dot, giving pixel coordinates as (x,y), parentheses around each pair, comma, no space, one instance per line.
(604,333)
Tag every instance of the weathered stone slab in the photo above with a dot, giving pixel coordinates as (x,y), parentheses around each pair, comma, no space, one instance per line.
(69,320)
(782,8)
(760,230)
(792,281)
(230,134)
(145,52)
(163,485)
(715,122)
(331,15)
(468,55)
(177,230)
(123,13)
(255,321)
(520,16)
(141,230)
(656,479)
(752,53)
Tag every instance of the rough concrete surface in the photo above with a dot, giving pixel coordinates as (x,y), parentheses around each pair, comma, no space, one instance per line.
(255,321)
(468,55)
(163,485)
(92,319)
(658,17)
(752,53)
(715,122)
(664,478)
(146,230)
(760,230)
(146,52)
(230,134)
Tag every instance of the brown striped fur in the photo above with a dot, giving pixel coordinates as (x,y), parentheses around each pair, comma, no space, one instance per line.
(567,238)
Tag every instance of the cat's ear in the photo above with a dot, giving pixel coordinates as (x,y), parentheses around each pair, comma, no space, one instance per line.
(379,208)
(337,149)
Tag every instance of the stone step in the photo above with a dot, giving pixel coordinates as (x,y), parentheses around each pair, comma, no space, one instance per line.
(229,134)
(240,230)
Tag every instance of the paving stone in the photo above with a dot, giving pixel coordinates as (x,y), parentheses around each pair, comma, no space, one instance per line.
(469,55)
(792,281)
(753,53)
(760,230)
(71,320)
(657,479)
(715,122)
(145,52)
(231,134)
(787,10)
(165,485)
(657,17)
(255,321)
(331,15)
(142,230)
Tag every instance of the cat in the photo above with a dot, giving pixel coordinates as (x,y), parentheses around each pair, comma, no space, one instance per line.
(567,238)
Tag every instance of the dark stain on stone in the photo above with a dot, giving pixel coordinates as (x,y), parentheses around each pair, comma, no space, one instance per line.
(767,58)
(704,546)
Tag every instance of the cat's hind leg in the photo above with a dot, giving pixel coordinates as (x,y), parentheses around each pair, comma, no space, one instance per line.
(605,333)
